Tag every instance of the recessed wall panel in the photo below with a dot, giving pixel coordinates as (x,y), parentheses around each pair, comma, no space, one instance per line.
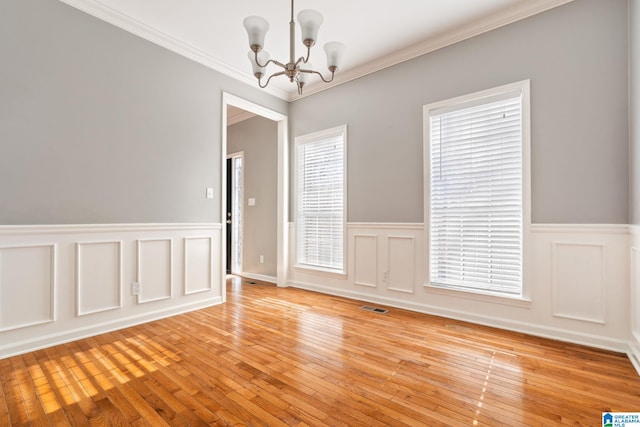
(198,263)
(154,270)
(365,260)
(98,277)
(578,281)
(27,284)
(401,262)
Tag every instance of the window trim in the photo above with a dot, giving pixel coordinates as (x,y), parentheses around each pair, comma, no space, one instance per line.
(309,138)
(476,98)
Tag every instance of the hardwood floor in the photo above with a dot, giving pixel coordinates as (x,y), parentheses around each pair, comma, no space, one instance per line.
(273,357)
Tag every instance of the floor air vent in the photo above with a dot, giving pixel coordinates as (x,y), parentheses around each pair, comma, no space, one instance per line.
(374,309)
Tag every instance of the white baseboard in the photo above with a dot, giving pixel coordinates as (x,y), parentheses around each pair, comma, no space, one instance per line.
(577,282)
(261,277)
(633,352)
(570,336)
(33,344)
(83,276)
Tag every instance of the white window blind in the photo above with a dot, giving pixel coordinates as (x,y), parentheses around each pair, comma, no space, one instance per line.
(476,195)
(320,195)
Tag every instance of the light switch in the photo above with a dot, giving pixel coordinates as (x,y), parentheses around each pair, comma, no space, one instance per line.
(209,193)
(251,201)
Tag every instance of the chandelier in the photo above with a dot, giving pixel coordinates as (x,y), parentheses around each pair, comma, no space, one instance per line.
(297,70)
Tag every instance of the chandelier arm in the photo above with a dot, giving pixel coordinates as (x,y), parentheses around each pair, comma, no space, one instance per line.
(271,61)
(303,59)
(279,73)
(320,74)
(278,63)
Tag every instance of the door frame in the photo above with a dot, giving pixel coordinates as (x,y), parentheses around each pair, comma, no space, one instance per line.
(282,226)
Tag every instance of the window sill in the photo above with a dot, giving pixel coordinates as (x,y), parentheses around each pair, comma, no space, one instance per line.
(484,296)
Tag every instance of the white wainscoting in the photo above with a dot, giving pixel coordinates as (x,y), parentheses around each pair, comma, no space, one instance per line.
(576,279)
(63,282)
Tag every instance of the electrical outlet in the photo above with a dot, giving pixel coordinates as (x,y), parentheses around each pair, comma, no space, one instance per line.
(385,276)
(135,288)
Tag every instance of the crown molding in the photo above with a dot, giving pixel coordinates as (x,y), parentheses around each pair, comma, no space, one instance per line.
(131,25)
(519,12)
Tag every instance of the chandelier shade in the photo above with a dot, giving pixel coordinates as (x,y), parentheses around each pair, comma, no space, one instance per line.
(297,70)
(335,52)
(310,22)
(263,58)
(305,72)
(257,28)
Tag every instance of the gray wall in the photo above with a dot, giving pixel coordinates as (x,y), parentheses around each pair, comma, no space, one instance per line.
(576,57)
(100,126)
(258,139)
(634,176)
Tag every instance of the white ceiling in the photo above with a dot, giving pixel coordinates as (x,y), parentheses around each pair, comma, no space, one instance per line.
(377,33)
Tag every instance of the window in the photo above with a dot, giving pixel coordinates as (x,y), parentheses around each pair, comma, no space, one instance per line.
(320,199)
(475,176)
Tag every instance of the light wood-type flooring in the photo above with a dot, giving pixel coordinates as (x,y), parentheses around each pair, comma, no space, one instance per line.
(273,357)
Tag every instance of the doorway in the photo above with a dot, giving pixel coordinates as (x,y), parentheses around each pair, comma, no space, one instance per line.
(282,225)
